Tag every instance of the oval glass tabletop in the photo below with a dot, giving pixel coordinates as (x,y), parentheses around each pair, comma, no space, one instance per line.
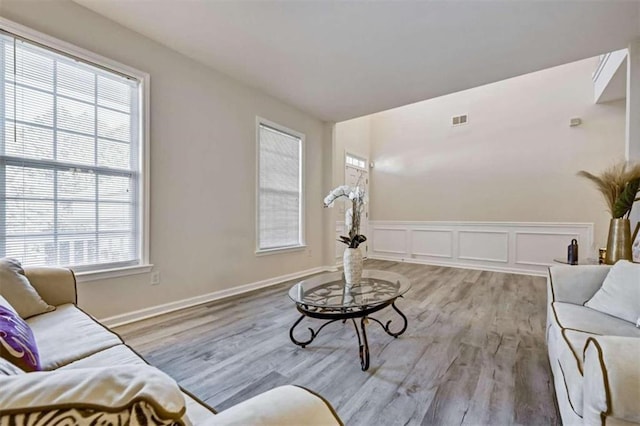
(329,290)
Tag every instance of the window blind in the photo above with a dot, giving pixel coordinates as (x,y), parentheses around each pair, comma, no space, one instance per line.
(69,169)
(280,186)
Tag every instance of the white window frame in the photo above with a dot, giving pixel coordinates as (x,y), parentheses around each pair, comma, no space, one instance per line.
(302,232)
(69,49)
(351,156)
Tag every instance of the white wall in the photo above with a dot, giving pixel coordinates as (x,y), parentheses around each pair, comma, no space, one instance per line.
(203,153)
(515,161)
(354,137)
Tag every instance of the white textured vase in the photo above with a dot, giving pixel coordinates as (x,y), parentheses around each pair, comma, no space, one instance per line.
(352,262)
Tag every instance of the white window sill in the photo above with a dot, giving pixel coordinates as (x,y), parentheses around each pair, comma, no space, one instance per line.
(264,252)
(112,273)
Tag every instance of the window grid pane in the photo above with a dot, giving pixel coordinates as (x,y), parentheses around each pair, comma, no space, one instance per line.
(68,169)
(355,161)
(280,172)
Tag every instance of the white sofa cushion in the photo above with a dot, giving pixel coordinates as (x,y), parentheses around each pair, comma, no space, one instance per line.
(68,334)
(619,295)
(581,318)
(115,355)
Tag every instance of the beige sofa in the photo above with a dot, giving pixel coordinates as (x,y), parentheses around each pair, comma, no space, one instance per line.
(73,345)
(594,357)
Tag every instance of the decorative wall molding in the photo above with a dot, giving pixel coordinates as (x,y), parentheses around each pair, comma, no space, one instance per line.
(485,246)
(154,311)
(388,238)
(433,242)
(516,247)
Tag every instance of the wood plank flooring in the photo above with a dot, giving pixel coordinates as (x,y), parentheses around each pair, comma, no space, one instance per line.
(474,352)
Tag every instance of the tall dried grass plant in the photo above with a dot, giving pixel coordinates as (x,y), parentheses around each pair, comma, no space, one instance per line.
(619,184)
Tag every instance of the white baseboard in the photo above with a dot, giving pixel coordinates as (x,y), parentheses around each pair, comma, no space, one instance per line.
(335,268)
(129,317)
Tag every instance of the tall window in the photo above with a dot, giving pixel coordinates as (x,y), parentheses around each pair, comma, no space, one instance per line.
(279,188)
(69,160)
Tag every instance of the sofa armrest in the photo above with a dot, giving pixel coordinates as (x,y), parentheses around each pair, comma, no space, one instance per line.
(575,283)
(104,394)
(282,406)
(611,385)
(56,286)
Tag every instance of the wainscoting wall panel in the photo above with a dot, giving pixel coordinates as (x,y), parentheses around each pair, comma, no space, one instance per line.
(485,246)
(390,240)
(533,248)
(432,242)
(518,247)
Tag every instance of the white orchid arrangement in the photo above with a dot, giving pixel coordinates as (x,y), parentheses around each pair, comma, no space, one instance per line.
(351,216)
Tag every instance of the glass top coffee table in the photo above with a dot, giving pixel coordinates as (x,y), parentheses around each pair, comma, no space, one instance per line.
(327,297)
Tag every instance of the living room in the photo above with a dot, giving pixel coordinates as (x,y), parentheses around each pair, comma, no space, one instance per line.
(489,203)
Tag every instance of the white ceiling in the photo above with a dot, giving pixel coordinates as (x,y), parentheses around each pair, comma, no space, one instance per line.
(343,59)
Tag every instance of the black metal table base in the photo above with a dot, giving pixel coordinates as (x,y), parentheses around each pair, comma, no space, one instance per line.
(343,315)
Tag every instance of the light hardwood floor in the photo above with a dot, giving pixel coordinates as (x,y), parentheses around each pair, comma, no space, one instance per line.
(474,352)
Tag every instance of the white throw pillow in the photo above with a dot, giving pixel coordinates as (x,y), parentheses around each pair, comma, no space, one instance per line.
(18,291)
(619,295)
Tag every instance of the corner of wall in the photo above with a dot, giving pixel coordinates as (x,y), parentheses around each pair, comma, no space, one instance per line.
(328,219)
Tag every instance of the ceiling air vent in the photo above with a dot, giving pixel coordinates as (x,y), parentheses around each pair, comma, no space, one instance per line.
(459,120)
